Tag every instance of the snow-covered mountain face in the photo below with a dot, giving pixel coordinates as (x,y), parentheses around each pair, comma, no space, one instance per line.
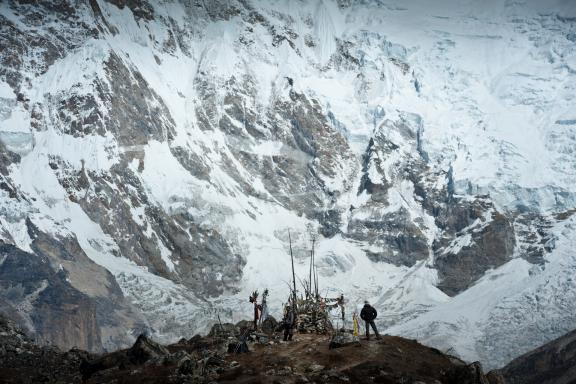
(156,155)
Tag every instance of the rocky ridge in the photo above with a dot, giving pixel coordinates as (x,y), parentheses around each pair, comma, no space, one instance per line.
(206,359)
(550,363)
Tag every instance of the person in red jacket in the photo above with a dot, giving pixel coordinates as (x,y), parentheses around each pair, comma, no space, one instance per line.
(368,314)
(257,308)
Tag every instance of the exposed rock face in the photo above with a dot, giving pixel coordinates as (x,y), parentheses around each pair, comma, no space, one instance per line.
(140,8)
(58,313)
(138,114)
(470,235)
(11,337)
(23,361)
(111,199)
(65,299)
(7,158)
(476,238)
(535,239)
(384,220)
(554,362)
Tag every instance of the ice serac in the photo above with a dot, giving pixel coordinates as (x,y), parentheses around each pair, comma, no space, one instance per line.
(155,154)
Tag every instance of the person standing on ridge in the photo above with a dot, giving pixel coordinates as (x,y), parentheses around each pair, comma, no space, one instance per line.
(263,308)
(257,308)
(288,323)
(369,314)
(340,302)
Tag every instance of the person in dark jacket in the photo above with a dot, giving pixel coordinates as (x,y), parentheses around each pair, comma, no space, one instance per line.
(368,314)
(340,302)
(288,323)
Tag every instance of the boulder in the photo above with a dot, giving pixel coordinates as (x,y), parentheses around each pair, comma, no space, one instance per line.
(185,363)
(262,338)
(467,374)
(223,330)
(238,346)
(269,325)
(145,349)
(342,339)
(314,368)
(243,325)
(495,377)
(187,367)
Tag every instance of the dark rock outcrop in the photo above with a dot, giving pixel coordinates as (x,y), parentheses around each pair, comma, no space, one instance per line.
(23,361)
(472,374)
(482,239)
(381,222)
(553,363)
(58,313)
(64,298)
(145,349)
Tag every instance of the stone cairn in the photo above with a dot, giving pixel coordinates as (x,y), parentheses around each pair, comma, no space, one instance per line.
(313,317)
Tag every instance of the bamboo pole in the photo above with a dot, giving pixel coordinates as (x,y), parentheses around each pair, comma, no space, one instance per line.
(293,274)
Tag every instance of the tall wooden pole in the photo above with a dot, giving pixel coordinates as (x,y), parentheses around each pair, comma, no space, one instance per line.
(293,274)
(310,277)
(315,270)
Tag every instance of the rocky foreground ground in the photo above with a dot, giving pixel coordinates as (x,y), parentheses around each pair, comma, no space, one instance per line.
(216,359)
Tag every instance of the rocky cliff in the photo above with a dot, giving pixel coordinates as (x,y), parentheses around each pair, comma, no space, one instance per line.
(554,362)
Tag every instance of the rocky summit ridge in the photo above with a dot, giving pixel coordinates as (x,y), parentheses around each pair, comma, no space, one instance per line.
(210,359)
